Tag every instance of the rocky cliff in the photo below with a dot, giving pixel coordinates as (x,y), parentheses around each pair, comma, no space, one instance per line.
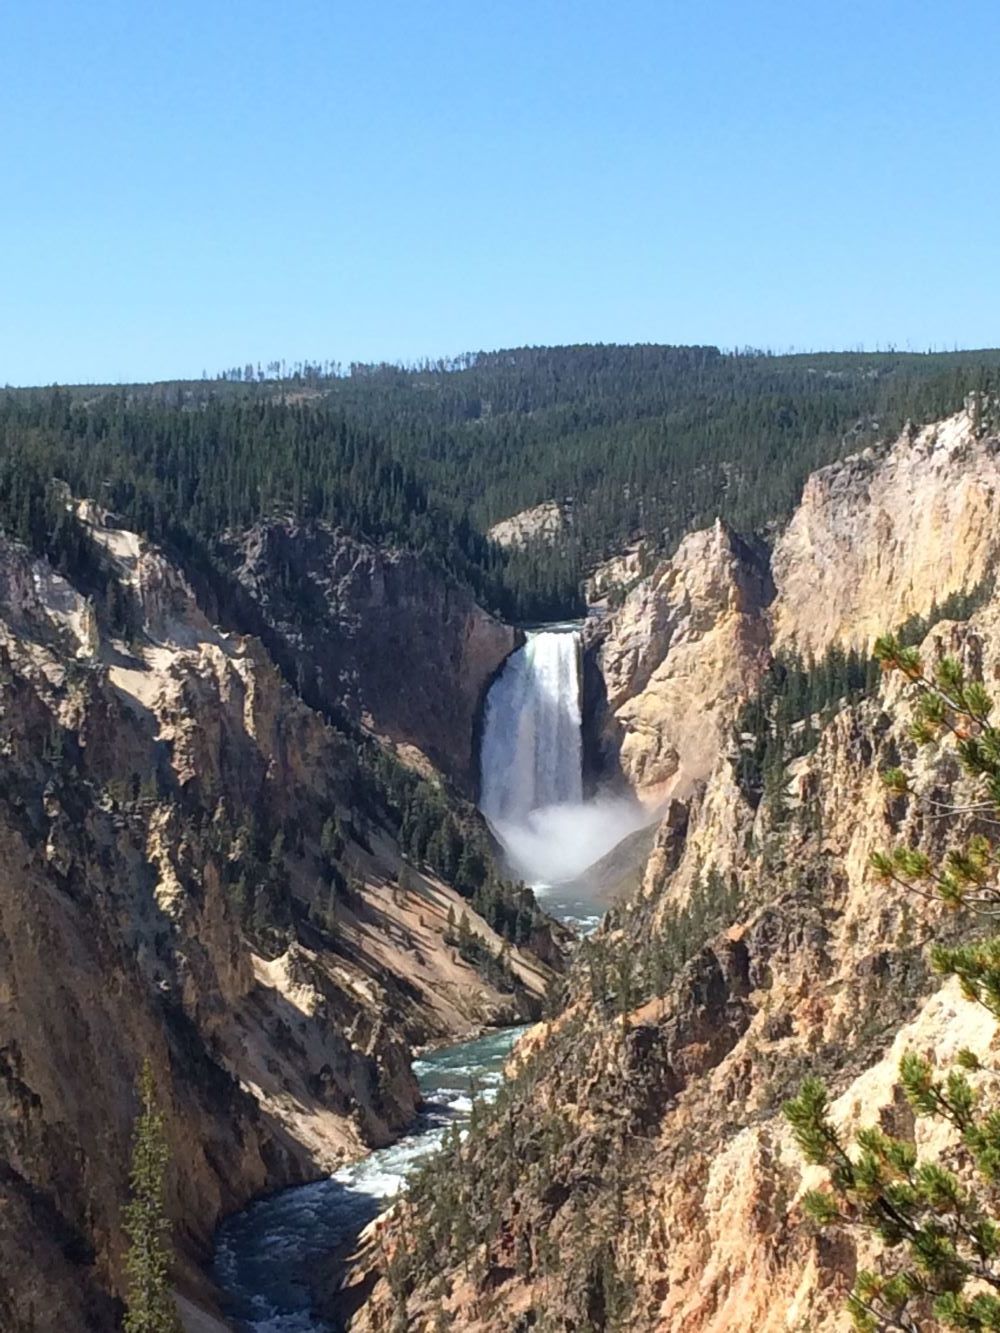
(687,643)
(887,534)
(545,523)
(376,633)
(197,868)
(883,536)
(638,1173)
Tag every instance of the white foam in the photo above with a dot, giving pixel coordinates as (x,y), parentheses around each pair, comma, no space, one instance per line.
(556,843)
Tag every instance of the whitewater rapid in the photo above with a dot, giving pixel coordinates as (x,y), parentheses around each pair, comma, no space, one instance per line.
(267,1256)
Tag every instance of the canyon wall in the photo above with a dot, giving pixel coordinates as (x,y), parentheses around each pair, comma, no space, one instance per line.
(656,1185)
(686,644)
(887,534)
(198,869)
(876,539)
(377,633)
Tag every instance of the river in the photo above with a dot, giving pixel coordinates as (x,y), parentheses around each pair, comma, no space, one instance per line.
(266,1255)
(532,794)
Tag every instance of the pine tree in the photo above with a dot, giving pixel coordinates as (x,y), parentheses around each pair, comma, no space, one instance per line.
(331,843)
(150,1303)
(464,935)
(941,1232)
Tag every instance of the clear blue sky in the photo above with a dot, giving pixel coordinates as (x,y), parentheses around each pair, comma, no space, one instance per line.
(193,186)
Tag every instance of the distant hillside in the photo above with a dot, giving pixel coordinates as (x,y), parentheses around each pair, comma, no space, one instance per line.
(649,441)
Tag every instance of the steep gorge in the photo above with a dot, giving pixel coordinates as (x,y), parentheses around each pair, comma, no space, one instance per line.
(208,858)
(200,869)
(656,1184)
(376,633)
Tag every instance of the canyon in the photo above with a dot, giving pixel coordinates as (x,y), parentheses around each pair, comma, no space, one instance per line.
(658,1186)
(203,870)
(212,782)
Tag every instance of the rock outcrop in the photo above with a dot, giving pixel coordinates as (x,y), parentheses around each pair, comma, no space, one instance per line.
(167,891)
(545,523)
(687,644)
(614,576)
(377,634)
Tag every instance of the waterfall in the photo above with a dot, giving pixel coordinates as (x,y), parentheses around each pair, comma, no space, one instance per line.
(531,770)
(531,755)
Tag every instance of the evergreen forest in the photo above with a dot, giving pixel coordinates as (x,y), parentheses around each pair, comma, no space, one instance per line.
(644,442)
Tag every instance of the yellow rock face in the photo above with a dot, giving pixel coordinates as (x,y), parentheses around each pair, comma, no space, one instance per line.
(877,539)
(685,646)
(130,773)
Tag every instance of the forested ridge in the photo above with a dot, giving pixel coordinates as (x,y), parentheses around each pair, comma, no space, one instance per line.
(648,441)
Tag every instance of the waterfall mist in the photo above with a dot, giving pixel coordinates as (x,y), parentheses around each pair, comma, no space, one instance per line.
(531,767)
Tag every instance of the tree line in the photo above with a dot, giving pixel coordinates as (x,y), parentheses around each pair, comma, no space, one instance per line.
(649,441)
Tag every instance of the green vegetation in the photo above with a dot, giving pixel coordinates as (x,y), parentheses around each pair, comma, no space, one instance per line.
(150,1303)
(625,972)
(647,441)
(495,967)
(779,723)
(796,698)
(936,1217)
(957,606)
(436,828)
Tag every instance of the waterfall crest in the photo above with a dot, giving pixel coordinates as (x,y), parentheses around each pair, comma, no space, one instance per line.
(531,754)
